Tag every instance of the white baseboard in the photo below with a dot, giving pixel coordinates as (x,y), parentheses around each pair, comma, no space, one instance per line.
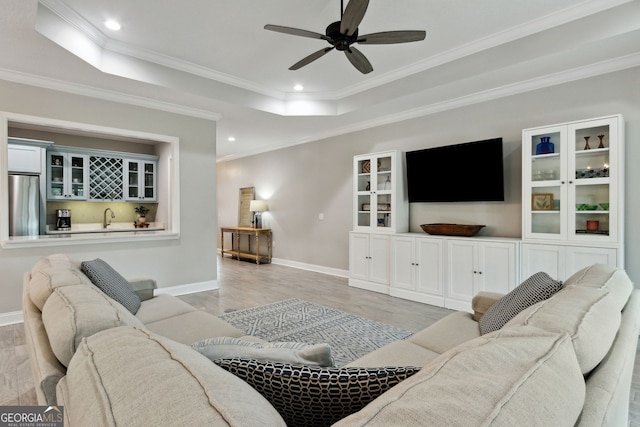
(190,288)
(311,267)
(11,317)
(16,316)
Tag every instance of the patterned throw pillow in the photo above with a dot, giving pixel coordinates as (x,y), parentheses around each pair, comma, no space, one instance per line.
(111,283)
(311,396)
(283,352)
(536,288)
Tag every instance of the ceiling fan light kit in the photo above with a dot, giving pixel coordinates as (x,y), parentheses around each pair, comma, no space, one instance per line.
(344,33)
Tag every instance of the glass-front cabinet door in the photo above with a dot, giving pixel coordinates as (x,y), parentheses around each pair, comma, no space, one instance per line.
(140,180)
(595,168)
(570,181)
(67,176)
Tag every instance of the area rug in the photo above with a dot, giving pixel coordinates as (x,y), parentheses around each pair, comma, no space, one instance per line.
(350,336)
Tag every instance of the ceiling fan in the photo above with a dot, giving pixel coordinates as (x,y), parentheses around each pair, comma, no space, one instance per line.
(342,34)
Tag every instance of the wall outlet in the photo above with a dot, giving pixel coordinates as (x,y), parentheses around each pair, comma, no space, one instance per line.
(321,216)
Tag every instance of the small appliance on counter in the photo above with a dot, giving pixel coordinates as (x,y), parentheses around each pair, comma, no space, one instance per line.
(63,219)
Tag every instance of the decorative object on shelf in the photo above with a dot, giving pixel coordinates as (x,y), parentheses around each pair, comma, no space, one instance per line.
(601,145)
(586,143)
(387,184)
(604,206)
(141,225)
(593,225)
(593,173)
(142,214)
(257,207)
(442,229)
(545,146)
(542,202)
(586,207)
(366,166)
(368,187)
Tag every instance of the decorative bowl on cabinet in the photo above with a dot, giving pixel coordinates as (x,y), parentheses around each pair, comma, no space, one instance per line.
(451,229)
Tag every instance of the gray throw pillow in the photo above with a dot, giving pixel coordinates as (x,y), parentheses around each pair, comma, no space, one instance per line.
(309,396)
(536,288)
(111,283)
(283,352)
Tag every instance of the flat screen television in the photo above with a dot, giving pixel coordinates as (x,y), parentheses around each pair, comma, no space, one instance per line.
(469,172)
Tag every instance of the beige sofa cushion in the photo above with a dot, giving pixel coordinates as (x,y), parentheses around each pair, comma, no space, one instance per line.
(604,277)
(440,337)
(490,381)
(194,326)
(591,316)
(400,353)
(50,273)
(114,379)
(74,312)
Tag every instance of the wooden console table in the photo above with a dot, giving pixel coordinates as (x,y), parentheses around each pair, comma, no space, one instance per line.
(236,232)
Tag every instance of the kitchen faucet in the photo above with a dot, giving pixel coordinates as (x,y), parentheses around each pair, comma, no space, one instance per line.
(104,222)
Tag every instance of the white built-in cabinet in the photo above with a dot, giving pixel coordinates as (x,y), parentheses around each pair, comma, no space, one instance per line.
(369,261)
(561,261)
(572,195)
(479,264)
(572,217)
(417,269)
(380,201)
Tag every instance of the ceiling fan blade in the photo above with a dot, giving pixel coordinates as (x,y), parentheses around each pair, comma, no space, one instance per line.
(358,60)
(353,14)
(390,37)
(295,32)
(310,58)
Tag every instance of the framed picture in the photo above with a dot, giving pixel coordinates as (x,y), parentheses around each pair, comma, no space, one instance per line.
(542,202)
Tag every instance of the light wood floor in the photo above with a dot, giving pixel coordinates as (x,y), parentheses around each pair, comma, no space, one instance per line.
(245,285)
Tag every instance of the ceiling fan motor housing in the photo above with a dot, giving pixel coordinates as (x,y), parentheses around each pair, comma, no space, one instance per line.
(337,39)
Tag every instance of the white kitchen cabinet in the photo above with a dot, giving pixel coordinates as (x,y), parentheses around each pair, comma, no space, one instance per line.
(572,194)
(417,269)
(560,261)
(140,179)
(380,201)
(475,265)
(26,155)
(369,261)
(67,175)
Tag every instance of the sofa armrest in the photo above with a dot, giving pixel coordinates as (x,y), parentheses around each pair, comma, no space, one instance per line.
(481,303)
(143,288)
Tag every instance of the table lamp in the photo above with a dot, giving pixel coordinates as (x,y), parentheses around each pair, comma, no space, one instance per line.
(257,207)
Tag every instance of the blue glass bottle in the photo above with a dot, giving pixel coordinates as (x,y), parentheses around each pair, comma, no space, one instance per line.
(545,146)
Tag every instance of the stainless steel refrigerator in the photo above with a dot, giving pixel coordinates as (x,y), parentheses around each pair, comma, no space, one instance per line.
(24,205)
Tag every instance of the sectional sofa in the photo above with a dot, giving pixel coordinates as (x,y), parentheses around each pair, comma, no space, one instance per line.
(566,360)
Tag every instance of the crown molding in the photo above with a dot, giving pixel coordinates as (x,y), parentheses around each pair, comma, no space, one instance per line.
(72,18)
(567,15)
(106,95)
(554,79)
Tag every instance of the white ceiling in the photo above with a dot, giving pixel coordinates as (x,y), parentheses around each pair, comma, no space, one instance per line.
(213,58)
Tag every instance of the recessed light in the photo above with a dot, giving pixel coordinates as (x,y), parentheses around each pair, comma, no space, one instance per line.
(231,139)
(298,87)
(112,25)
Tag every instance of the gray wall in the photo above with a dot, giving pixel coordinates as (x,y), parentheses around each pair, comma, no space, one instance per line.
(302,181)
(190,259)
